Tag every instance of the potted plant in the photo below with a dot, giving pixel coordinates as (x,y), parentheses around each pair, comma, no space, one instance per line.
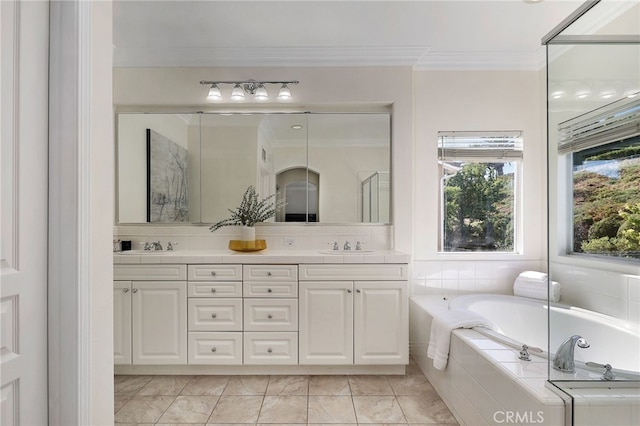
(250,211)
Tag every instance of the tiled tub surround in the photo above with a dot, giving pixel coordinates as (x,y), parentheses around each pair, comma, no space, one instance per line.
(448,276)
(490,378)
(484,380)
(220,312)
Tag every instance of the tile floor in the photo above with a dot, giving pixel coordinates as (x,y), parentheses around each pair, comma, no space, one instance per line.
(281,400)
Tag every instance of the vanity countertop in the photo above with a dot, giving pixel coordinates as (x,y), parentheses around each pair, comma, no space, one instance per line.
(266,256)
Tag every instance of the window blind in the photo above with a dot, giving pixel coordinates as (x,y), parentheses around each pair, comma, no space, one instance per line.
(615,122)
(480,145)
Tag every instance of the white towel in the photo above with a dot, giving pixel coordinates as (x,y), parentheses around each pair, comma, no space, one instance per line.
(533,276)
(441,327)
(536,290)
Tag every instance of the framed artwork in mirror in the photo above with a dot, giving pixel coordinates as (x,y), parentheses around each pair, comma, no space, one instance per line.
(167,180)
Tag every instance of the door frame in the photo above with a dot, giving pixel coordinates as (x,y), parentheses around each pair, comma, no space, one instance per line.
(81,170)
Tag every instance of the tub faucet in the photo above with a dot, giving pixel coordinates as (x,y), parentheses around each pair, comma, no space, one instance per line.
(564,359)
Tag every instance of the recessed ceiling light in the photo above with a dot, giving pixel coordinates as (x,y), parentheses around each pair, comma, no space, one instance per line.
(296,126)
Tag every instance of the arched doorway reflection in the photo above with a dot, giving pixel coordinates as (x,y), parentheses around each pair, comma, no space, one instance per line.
(299,189)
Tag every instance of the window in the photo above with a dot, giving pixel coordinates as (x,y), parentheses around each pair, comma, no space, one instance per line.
(479,175)
(604,148)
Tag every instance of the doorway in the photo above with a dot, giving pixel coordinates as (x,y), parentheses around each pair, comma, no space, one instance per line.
(299,190)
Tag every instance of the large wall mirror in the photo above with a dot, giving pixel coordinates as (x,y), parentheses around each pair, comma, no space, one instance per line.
(192,167)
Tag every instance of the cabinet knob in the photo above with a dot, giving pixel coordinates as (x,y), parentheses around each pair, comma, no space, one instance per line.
(214,315)
(125,290)
(269,350)
(213,290)
(269,290)
(134,290)
(358,291)
(349,290)
(213,273)
(213,349)
(269,316)
(268,274)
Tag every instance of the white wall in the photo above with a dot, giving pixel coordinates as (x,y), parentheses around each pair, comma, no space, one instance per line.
(477,101)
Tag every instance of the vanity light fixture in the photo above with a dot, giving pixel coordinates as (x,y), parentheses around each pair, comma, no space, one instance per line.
(251,87)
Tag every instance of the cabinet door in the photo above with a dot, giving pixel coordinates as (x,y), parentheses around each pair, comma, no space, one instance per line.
(381,324)
(326,322)
(122,322)
(159,322)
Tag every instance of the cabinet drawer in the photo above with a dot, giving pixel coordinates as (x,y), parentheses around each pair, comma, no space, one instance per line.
(214,314)
(270,348)
(215,273)
(270,272)
(214,289)
(368,272)
(215,348)
(270,289)
(270,314)
(150,272)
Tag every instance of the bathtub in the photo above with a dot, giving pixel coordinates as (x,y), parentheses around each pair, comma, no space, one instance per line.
(485,382)
(524,321)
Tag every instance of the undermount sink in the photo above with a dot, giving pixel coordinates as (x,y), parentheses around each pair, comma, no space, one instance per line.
(143,252)
(347,252)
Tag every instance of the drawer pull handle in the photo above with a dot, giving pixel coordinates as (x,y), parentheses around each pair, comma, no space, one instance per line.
(269,350)
(214,315)
(269,316)
(213,290)
(268,274)
(213,273)
(213,349)
(269,290)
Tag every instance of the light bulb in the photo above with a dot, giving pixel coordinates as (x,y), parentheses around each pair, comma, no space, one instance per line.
(237,94)
(214,94)
(284,94)
(261,93)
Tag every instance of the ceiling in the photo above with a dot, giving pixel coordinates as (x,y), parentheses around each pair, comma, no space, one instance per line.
(427,34)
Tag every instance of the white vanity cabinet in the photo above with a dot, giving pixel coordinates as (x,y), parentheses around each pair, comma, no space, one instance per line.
(150,314)
(270,314)
(215,314)
(353,314)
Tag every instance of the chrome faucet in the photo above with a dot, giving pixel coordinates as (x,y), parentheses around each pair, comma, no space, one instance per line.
(156,245)
(564,359)
(347,245)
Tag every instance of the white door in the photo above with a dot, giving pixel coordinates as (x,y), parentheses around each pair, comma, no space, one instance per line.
(159,318)
(326,322)
(381,324)
(24,38)
(122,322)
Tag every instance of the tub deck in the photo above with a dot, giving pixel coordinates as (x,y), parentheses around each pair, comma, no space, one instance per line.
(484,380)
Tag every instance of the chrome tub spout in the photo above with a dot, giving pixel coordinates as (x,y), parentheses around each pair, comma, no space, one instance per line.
(564,359)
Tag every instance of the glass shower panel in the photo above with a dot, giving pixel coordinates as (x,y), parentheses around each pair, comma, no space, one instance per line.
(593,118)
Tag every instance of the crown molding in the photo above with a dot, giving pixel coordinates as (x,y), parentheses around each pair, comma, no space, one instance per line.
(266,57)
(467,60)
